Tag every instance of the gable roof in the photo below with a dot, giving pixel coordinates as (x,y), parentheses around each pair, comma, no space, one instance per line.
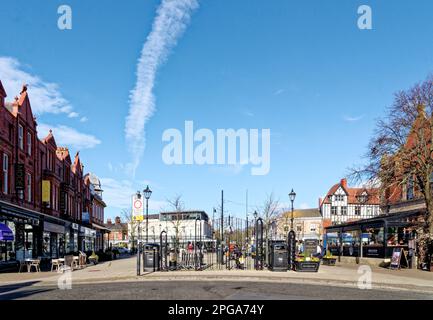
(2,91)
(354,193)
(49,139)
(62,153)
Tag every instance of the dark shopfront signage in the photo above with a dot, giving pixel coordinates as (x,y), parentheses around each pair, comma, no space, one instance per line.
(51,227)
(62,201)
(19,176)
(373,251)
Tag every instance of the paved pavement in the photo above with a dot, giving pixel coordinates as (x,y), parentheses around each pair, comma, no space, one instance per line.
(124,271)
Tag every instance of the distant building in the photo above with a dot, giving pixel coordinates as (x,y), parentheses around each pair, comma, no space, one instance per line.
(181,224)
(118,236)
(307,224)
(344,204)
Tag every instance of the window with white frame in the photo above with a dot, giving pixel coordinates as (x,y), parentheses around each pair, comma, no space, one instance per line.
(343,211)
(358,210)
(29,143)
(334,210)
(5,173)
(20,137)
(29,187)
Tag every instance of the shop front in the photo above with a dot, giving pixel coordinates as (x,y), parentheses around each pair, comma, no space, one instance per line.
(25,229)
(376,237)
(87,239)
(53,240)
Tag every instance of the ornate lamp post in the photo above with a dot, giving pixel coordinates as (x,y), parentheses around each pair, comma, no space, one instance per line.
(292,196)
(147,193)
(138,240)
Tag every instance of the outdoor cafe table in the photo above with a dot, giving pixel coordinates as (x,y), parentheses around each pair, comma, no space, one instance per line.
(28,262)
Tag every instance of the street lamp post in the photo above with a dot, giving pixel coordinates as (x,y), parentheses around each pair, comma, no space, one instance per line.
(138,241)
(147,193)
(292,196)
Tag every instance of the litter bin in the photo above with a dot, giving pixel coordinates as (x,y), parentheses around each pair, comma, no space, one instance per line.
(279,257)
(172,259)
(151,257)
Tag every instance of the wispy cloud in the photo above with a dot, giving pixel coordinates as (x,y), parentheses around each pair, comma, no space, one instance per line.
(118,194)
(171,20)
(67,136)
(352,119)
(45,96)
(83,119)
(278,92)
(73,115)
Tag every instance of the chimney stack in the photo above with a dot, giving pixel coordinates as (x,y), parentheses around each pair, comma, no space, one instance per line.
(343,183)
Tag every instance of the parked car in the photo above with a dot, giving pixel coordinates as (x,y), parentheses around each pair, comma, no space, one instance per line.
(123,250)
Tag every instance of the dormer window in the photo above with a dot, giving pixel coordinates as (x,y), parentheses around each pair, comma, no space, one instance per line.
(363,198)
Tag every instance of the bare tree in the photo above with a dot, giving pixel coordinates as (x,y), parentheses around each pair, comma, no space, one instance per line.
(176,205)
(132,225)
(269,213)
(400,154)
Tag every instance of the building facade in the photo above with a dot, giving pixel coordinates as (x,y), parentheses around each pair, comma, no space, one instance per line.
(185,226)
(118,236)
(307,224)
(344,204)
(43,194)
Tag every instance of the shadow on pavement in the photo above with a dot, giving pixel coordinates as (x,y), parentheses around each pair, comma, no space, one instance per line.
(19,290)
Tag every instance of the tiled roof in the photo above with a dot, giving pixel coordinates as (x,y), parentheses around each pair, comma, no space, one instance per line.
(354,193)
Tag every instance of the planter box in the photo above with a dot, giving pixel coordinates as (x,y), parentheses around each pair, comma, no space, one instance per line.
(329,261)
(307,266)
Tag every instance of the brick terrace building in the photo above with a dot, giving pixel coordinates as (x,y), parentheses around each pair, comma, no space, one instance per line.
(45,199)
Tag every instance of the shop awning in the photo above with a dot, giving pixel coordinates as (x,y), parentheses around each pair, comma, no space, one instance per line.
(6,234)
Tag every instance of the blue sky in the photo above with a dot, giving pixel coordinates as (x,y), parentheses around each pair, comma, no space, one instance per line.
(302,69)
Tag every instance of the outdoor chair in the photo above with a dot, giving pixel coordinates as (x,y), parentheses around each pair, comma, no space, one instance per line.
(23,264)
(56,264)
(82,260)
(35,263)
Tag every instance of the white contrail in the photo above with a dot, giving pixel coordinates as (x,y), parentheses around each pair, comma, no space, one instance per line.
(171,20)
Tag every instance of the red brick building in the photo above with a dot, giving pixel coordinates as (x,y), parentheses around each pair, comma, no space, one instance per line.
(45,199)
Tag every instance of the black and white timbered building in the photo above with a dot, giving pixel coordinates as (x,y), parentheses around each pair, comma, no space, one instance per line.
(343,204)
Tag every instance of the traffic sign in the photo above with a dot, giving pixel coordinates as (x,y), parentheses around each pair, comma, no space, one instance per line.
(138,218)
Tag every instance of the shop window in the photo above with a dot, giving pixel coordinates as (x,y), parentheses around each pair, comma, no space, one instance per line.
(373,237)
(46,244)
(7,248)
